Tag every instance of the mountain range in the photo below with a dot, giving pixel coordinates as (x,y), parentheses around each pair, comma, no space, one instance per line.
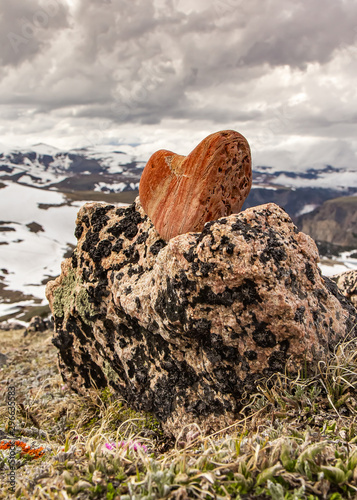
(42,188)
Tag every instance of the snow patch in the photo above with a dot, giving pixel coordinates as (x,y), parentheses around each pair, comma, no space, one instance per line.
(337,265)
(6,309)
(30,258)
(307,209)
(110,188)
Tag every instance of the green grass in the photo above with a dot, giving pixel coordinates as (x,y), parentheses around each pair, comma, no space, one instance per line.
(296,438)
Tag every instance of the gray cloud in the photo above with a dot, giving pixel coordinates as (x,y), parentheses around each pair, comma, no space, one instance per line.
(298,33)
(27,28)
(274,68)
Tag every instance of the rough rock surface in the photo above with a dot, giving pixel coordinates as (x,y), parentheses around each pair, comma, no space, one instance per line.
(347,283)
(185,329)
(181,193)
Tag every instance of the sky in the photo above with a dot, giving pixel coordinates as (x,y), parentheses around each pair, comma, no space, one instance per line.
(166,73)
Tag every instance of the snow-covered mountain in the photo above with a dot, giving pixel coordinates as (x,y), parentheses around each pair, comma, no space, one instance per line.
(42,188)
(76,170)
(300,192)
(104,169)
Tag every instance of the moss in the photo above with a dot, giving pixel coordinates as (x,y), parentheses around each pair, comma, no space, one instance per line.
(106,394)
(63,296)
(83,305)
(69,295)
(143,420)
(122,413)
(91,422)
(108,371)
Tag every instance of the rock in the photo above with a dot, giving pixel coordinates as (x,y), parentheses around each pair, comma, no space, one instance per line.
(6,326)
(38,324)
(181,193)
(186,329)
(347,283)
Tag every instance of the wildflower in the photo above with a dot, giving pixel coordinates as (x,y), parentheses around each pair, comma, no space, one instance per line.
(131,445)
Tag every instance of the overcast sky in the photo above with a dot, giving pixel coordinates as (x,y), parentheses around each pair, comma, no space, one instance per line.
(166,73)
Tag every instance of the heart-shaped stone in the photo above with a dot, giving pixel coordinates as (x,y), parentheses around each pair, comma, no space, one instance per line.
(181,193)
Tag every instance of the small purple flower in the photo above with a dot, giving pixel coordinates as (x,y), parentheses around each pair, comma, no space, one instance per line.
(131,445)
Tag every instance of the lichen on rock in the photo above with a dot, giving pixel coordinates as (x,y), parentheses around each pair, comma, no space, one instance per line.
(185,329)
(71,295)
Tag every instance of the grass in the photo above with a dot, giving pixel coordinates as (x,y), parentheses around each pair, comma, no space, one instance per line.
(122,197)
(296,438)
(43,311)
(344,200)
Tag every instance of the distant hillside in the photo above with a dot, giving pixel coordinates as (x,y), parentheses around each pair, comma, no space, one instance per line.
(295,201)
(100,170)
(77,170)
(335,221)
(42,189)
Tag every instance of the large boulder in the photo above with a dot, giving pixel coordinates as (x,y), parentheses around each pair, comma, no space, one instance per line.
(186,329)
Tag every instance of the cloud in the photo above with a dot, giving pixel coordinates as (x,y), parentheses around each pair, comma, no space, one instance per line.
(299,33)
(27,28)
(269,69)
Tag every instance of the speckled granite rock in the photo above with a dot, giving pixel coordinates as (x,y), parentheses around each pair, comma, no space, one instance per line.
(347,283)
(184,329)
(181,193)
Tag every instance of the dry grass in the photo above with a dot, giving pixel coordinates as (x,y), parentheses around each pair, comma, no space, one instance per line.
(122,197)
(297,438)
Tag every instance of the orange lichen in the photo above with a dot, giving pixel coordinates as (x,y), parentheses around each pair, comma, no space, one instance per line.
(25,449)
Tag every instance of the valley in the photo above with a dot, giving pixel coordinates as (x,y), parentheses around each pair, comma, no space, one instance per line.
(41,191)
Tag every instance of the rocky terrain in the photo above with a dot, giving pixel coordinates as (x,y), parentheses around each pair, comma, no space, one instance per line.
(184,324)
(54,184)
(205,315)
(231,327)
